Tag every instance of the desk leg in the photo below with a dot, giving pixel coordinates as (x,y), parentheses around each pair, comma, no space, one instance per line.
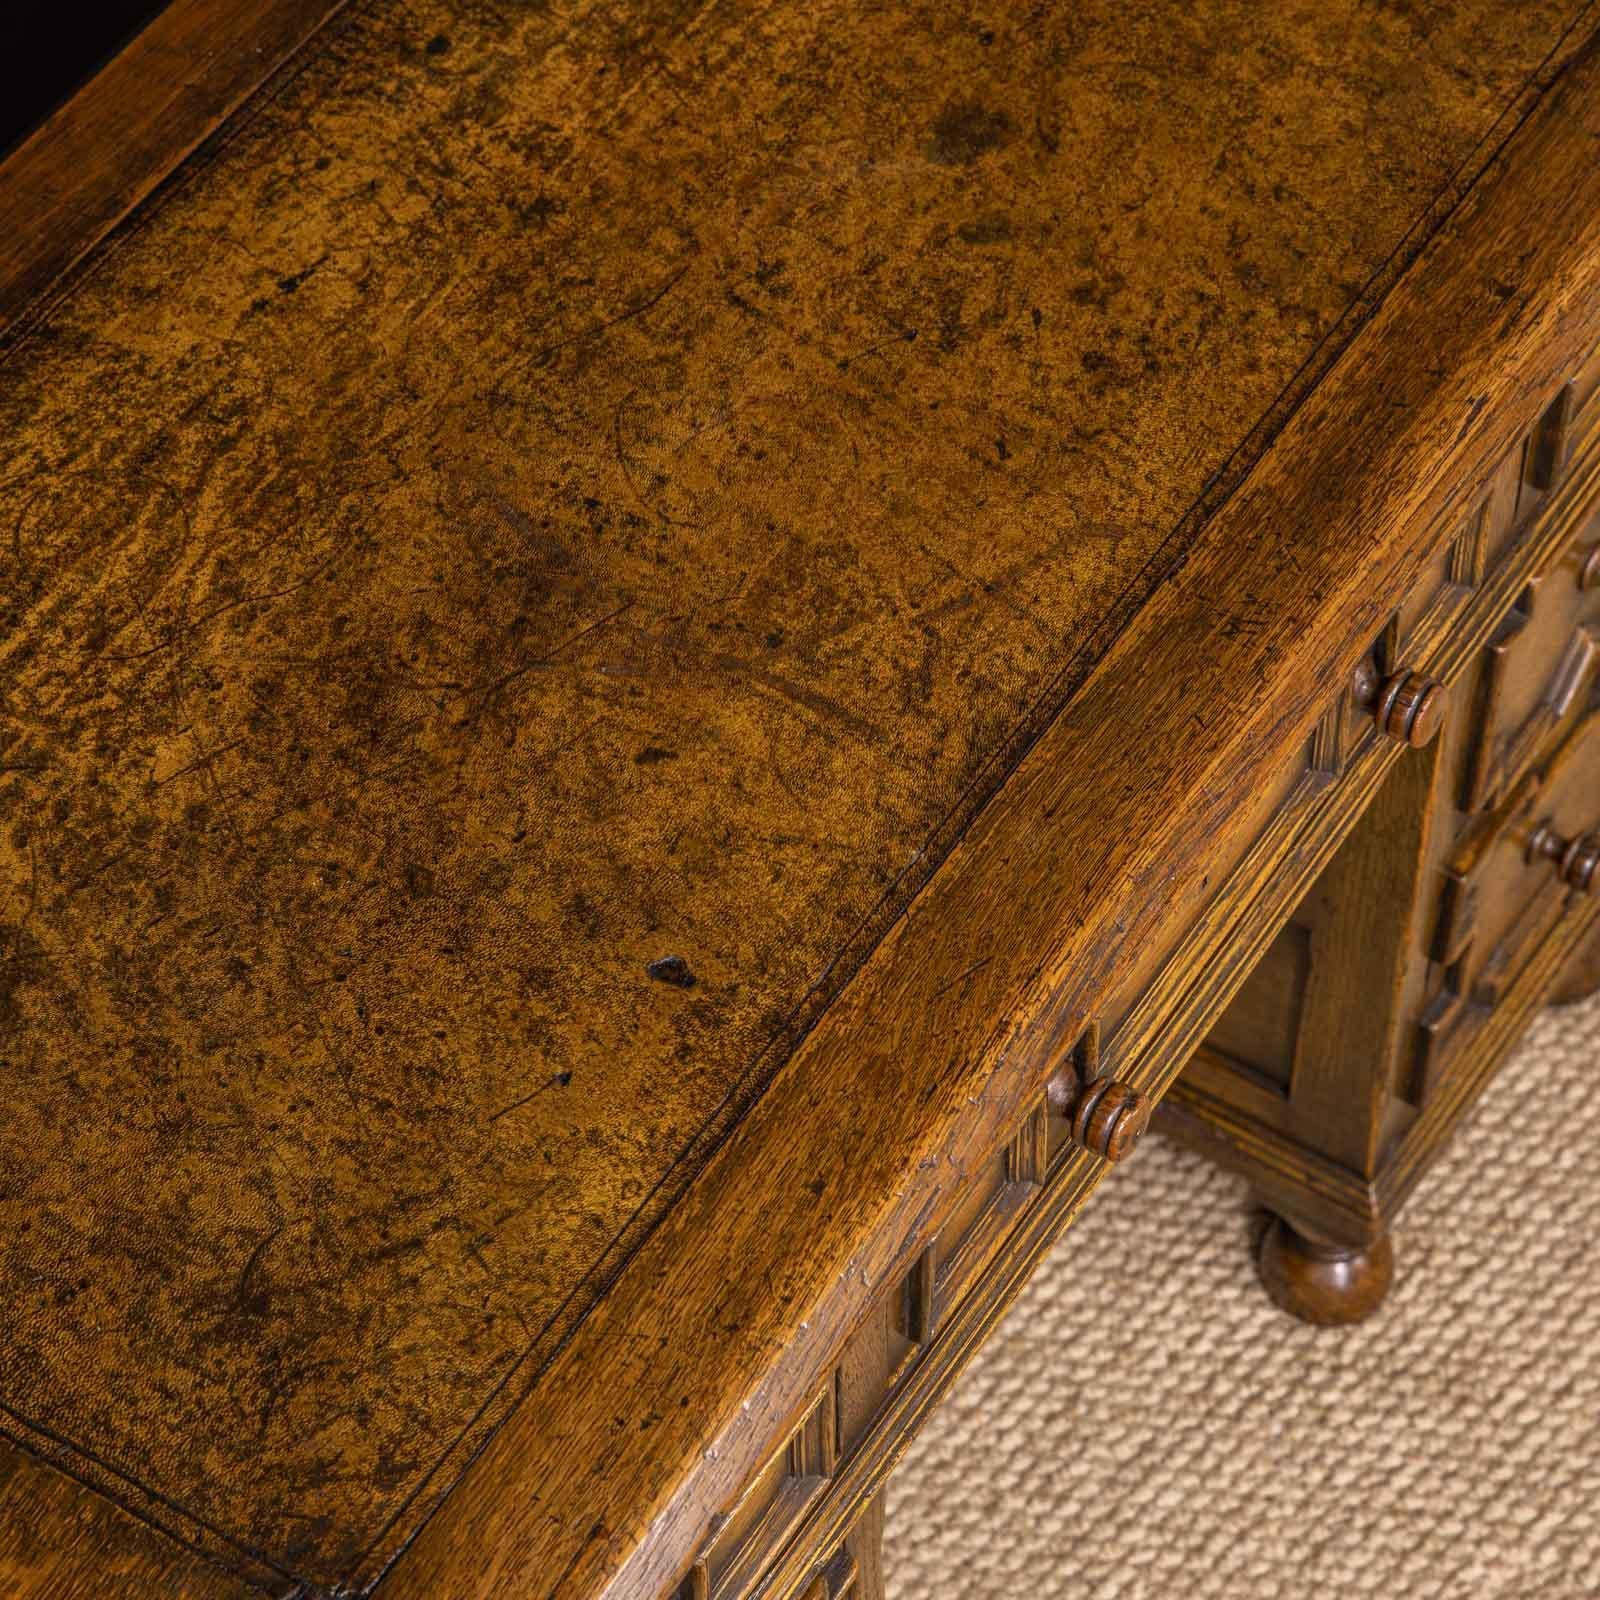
(1304,1078)
(1338,1071)
(1364,983)
(1320,1281)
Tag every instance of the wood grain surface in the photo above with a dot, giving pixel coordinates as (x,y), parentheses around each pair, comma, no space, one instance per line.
(1057,882)
(60,1542)
(96,157)
(562,492)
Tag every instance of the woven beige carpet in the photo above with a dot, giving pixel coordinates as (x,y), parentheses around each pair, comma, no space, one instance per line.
(1144,1423)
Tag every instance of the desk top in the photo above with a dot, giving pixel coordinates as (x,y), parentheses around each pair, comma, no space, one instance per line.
(520,565)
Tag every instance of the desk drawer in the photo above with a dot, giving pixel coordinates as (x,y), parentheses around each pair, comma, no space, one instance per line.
(1540,667)
(748,1534)
(1512,878)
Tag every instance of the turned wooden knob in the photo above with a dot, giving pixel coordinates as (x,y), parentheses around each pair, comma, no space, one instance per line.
(1405,705)
(1577,860)
(1106,1115)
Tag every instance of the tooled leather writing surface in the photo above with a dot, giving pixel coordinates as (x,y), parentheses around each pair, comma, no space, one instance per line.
(555,492)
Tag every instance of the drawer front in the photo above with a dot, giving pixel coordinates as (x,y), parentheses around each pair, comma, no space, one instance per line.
(838,1579)
(996,1217)
(1540,669)
(1513,877)
(768,1544)
(747,1535)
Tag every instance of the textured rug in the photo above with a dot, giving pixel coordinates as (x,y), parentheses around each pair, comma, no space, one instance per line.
(1144,1423)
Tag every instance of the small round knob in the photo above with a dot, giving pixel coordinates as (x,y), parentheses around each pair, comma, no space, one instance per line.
(1405,705)
(1589,569)
(1577,860)
(1106,1115)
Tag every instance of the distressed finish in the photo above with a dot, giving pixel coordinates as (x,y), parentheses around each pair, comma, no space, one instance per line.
(95,158)
(56,1542)
(521,565)
(923,1063)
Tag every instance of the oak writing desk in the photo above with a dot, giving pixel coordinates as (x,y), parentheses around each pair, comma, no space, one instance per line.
(659,668)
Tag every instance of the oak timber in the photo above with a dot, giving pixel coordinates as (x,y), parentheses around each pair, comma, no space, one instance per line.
(489,534)
(1311,555)
(98,155)
(58,1542)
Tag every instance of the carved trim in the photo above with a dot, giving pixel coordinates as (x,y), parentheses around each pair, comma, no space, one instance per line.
(809,1453)
(861,1472)
(1483,772)
(1552,440)
(1481,1055)
(1467,550)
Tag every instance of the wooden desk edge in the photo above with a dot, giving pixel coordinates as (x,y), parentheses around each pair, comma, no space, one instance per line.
(521,1509)
(912,1063)
(62,1540)
(95,158)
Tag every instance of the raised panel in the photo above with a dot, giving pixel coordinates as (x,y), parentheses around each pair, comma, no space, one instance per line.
(989,1203)
(1551,444)
(1503,894)
(1501,510)
(749,1534)
(974,1226)
(1540,671)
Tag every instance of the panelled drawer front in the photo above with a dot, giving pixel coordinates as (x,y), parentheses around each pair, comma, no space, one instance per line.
(1540,669)
(752,1531)
(1512,878)
(982,1214)
(1567,427)
(754,1536)
(838,1579)
(1545,653)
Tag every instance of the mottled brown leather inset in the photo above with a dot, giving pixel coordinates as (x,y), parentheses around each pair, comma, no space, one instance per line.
(558,491)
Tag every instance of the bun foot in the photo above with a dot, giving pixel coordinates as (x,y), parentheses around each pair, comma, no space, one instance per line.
(1329,1285)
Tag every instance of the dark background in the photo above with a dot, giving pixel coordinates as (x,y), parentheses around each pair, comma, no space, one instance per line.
(48,47)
